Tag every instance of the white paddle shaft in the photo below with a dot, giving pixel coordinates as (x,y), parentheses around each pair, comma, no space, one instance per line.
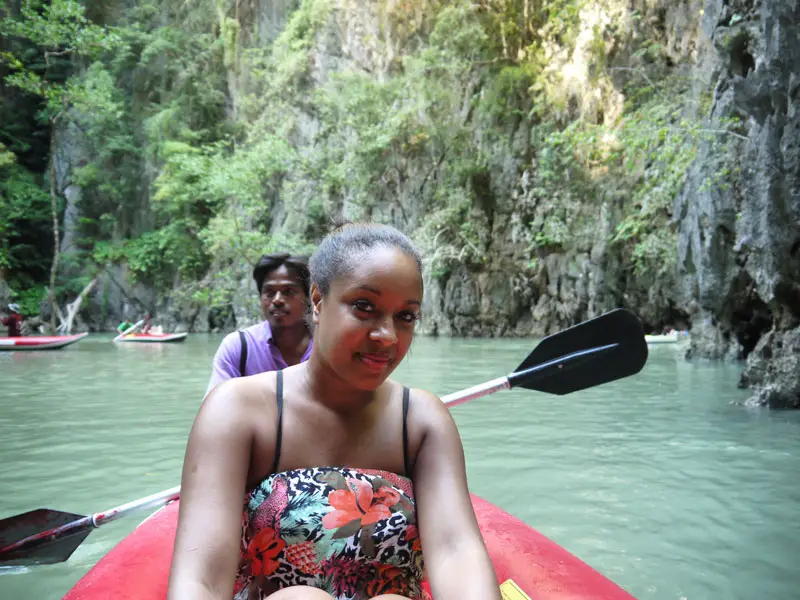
(476,391)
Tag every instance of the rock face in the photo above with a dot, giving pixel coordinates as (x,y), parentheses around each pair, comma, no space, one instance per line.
(737,216)
(69,154)
(735,222)
(505,293)
(739,245)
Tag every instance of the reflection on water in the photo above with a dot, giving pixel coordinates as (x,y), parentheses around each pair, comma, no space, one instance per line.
(658,481)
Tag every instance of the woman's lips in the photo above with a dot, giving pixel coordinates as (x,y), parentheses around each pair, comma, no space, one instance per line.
(375,362)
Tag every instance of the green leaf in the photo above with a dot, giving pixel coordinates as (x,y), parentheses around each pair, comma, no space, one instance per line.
(368,548)
(347,531)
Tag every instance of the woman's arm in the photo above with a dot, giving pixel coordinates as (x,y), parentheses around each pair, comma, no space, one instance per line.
(215,471)
(456,560)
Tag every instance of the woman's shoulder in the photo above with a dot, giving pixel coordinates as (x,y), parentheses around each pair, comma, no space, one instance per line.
(425,397)
(237,400)
(424,405)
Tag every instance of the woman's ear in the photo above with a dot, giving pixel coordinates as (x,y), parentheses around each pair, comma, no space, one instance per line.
(316,302)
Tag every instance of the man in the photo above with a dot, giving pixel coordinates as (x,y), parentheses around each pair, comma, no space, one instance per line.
(284,338)
(13,321)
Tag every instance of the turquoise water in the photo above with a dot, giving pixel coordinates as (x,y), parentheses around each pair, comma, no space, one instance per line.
(658,481)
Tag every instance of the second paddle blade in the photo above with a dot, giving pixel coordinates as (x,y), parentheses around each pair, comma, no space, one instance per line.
(620,327)
(46,549)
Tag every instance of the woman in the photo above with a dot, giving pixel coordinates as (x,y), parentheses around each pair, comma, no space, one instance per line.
(345,474)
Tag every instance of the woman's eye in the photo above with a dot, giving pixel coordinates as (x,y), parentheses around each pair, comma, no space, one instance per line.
(362,305)
(408,317)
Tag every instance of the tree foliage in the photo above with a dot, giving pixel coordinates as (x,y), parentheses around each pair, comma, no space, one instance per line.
(63,36)
(202,145)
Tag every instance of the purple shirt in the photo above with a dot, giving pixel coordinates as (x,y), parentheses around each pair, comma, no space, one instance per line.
(262,355)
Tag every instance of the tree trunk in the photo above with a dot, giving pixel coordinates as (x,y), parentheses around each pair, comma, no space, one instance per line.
(56,236)
(72,309)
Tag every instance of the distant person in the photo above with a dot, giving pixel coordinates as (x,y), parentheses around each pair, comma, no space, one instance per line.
(147,326)
(13,321)
(284,338)
(124,326)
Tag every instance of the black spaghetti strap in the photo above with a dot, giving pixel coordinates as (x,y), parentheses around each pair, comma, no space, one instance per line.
(279,434)
(242,354)
(406,397)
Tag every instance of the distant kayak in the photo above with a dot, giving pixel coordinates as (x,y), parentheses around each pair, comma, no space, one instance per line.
(53,342)
(669,338)
(158,338)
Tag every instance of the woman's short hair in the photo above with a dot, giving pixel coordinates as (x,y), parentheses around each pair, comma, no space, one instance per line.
(341,248)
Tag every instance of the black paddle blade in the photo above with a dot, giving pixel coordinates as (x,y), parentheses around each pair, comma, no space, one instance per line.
(603,349)
(41,537)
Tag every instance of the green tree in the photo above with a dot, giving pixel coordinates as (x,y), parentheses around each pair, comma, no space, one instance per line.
(63,36)
(23,206)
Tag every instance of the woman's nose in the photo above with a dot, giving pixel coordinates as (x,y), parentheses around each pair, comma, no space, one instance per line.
(384,332)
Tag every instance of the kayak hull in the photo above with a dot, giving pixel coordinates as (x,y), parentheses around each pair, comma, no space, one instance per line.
(138,567)
(153,338)
(662,339)
(28,343)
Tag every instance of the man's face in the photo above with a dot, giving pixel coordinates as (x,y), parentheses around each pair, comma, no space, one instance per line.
(283,298)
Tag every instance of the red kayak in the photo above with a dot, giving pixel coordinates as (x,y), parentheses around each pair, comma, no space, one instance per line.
(54,342)
(158,338)
(528,565)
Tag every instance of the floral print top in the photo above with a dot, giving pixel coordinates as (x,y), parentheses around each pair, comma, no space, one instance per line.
(349,532)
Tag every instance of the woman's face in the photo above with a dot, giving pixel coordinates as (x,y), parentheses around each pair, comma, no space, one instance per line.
(365,325)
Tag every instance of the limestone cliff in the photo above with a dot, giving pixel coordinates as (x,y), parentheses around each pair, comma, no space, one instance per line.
(739,245)
(552,165)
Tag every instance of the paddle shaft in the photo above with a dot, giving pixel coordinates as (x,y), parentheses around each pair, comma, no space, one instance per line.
(130,329)
(476,391)
(97,519)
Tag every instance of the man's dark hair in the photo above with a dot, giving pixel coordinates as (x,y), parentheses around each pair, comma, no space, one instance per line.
(342,248)
(294,264)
